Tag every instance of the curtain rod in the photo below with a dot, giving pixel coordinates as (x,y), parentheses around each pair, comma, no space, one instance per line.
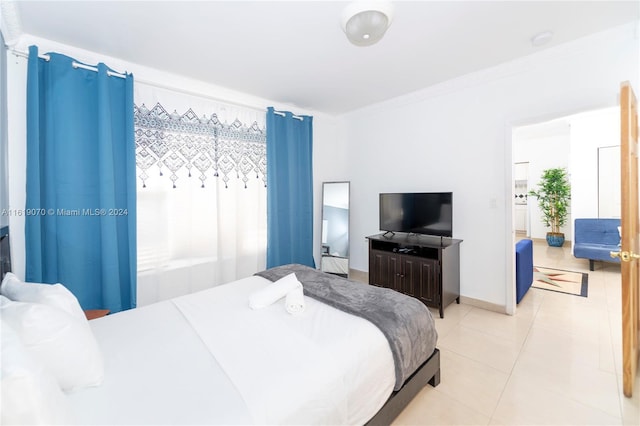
(297,117)
(74,64)
(155,84)
(148,82)
(26,54)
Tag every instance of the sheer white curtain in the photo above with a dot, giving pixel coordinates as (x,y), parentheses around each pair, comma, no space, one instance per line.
(201,193)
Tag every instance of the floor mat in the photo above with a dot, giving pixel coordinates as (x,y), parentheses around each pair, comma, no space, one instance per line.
(561,281)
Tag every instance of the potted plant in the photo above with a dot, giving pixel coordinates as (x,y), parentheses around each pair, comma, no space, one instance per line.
(553,194)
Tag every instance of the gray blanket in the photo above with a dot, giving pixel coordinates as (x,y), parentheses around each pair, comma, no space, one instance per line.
(405,321)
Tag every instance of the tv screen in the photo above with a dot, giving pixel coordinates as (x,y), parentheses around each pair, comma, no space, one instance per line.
(428,213)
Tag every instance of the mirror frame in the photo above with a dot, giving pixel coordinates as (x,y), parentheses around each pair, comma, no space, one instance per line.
(322,227)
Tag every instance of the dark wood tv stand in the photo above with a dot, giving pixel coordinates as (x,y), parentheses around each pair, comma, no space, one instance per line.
(422,266)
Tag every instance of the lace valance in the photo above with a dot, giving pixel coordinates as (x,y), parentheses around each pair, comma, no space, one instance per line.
(201,145)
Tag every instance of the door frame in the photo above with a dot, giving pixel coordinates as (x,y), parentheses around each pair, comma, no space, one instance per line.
(508,190)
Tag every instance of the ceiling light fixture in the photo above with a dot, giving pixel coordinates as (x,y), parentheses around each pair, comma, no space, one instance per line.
(541,38)
(365,22)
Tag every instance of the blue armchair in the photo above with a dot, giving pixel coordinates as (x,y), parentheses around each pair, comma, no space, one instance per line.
(524,268)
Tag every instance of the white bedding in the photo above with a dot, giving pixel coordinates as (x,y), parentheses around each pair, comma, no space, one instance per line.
(208,358)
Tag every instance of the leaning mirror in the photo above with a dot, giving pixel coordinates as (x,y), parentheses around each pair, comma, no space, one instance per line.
(335,228)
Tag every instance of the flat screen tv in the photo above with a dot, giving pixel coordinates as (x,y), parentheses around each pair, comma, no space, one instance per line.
(429,213)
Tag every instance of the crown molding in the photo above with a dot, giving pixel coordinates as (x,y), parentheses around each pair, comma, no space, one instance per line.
(10,24)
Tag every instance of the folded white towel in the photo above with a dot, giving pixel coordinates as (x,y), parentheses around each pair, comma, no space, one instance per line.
(274,292)
(294,302)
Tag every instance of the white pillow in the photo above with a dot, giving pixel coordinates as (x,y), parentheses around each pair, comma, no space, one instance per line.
(65,345)
(55,295)
(30,394)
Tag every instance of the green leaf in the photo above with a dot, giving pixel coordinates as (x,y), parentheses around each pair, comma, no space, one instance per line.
(553,194)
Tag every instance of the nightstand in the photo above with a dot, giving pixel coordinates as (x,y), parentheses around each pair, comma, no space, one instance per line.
(96,313)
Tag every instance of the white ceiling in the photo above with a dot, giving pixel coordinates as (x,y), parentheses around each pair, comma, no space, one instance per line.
(295,51)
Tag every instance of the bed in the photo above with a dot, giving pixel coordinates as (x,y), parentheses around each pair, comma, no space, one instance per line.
(207,358)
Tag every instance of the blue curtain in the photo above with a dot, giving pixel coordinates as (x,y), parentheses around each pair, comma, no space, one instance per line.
(289,189)
(81,206)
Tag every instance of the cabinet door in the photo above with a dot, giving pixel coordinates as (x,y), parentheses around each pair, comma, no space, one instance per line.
(411,275)
(425,280)
(376,268)
(384,269)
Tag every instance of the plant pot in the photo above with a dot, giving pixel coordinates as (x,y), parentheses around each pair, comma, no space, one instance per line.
(555,239)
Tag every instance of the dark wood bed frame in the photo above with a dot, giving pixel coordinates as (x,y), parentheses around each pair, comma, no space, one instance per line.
(429,372)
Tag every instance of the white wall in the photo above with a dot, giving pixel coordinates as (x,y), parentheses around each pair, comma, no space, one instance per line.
(329,150)
(330,164)
(4,175)
(17,157)
(456,136)
(589,131)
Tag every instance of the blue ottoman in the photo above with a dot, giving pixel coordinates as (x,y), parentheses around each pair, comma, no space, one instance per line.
(524,268)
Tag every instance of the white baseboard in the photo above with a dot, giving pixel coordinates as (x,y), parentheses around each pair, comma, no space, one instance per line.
(488,306)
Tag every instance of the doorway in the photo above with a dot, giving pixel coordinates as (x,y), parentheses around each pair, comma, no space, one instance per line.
(582,143)
(537,147)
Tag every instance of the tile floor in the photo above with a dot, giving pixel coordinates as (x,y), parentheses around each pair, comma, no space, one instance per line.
(556,362)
